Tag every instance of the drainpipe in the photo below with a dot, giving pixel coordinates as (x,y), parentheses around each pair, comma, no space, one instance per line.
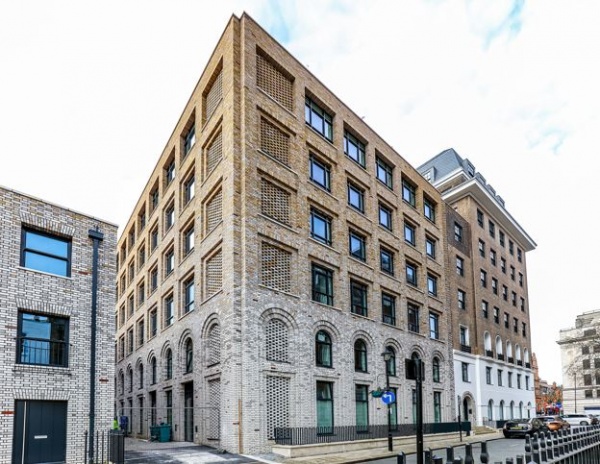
(97,237)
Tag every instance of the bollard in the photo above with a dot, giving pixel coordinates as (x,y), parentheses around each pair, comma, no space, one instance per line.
(509,461)
(549,450)
(438,460)
(469,454)
(520,459)
(401,458)
(427,455)
(542,443)
(457,461)
(449,455)
(484,457)
(528,456)
(536,449)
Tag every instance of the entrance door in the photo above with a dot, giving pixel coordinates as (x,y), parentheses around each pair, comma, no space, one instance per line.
(188,414)
(40,432)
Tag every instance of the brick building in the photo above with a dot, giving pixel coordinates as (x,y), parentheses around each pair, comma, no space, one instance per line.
(487,277)
(279,247)
(47,277)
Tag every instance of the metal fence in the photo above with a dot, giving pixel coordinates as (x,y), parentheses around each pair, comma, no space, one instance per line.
(105,446)
(311,435)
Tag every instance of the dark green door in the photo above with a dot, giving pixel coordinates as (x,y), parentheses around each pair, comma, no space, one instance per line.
(40,432)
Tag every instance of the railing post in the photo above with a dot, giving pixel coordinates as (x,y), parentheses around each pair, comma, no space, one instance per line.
(449,455)
(401,458)
(542,443)
(520,459)
(536,449)
(549,450)
(484,457)
(469,454)
(427,454)
(528,455)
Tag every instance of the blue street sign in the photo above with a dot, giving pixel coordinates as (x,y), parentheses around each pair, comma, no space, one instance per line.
(388,397)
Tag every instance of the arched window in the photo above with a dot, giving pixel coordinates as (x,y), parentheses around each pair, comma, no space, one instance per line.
(129,379)
(153,378)
(122,382)
(323,349)
(499,349)
(189,356)
(501,410)
(435,369)
(512,409)
(509,349)
(360,356)
(521,410)
(390,366)
(277,340)
(518,355)
(169,365)
(528,410)
(490,410)
(487,341)
(141,375)
(214,345)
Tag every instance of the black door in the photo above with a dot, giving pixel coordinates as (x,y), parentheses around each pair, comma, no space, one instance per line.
(188,416)
(40,432)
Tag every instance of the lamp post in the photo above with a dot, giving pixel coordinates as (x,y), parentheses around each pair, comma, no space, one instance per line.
(575,390)
(387,356)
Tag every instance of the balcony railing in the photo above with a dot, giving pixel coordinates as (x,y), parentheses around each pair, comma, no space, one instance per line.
(465,348)
(500,356)
(528,365)
(511,360)
(519,362)
(489,353)
(42,352)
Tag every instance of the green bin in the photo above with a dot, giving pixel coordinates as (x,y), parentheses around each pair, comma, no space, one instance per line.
(161,433)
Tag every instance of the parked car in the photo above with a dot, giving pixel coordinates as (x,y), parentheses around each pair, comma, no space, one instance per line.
(555,423)
(522,427)
(577,419)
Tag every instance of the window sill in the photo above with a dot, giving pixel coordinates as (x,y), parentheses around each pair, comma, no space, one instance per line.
(68,278)
(44,368)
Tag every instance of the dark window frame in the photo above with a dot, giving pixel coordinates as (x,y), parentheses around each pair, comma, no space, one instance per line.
(54,346)
(29,249)
(313,113)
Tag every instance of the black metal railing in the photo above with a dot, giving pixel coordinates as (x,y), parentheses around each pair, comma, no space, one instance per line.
(489,353)
(465,348)
(108,446)
(511,360)
(313,435)
(500,356)
(519,362)
(42,351)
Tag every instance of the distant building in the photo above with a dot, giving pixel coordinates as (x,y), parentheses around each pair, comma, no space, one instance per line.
(46,300)
(580,358)
(487,277)
(548,397)
(279,247)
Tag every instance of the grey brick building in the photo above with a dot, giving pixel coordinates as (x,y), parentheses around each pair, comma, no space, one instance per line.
(279,247)
(46,305)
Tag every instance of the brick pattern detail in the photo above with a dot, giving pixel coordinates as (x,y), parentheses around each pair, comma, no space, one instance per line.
(214,211)
(214,345)
(271,78)
(275,142)
(213,95)
(214,153)
(274,202)
(277,341)
(214,393)
(278,399)
(276,267)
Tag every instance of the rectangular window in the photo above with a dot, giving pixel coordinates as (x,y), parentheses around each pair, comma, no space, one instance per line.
(434,326)
(513,298)
(189,240)
(413,317)
(385,217)
(189,140)
(189,189)
(496,315)
(524,329)
(488,375)
(384,173)
(519,255)
(386,259)
(354,148)
(170,172)
(464,336)
(505,293)
(481,248)
(169,216)
(501,237)
(169,310)
(493,257)
(358,247)
(153,323)
(512,273)
(462,299)
(483,278)
(362,408)
(509,379)
(358,296)
(130,346)
(153,238)
(458,232)
(437,406)
(506,320)
(188,295)
(484,309)
(169,261)
(460,266)
(409,193)
(324,407)
(154,198)
(45,252)
(503,265)
(480,218)
(410,234)
(320,227)
(411,274)
(432,285)
(43,340)
(356,197)
(494,285)
(318,119)
(511,247)
(465,372)
(142,219)
(430,247)
(322,285)
(499,377)
(388,308)
(429,209)
(320,173)
(140,333)
(492,229)
(153,279)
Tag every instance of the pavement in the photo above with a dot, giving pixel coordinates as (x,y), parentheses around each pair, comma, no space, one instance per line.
(139,451)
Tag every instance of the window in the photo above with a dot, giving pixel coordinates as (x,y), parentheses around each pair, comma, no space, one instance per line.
(511,247)
(170,172)
(484,309)
(413,317)
(480,218)
(153,322)
(318,119)
(356,197)
(169,310)
(43,340)
(522,304)
(501,237)
(458,232)
(154,197)
(189,189)
(506,320)
(324,407)
(492,229)
(189,140)
(358,297)
(435,370)
(320,173)
(360,356)
(493,257)
(386,260)
(354,148)
(169,365)
(411,274)
(142,219)
(45,252)
(409,193)
(169,216)
(320,227)
(153,279)
(524,329)
(465,372)
(188,295)
(499,377)
(358,248)
(429,209)
(388,308)
(390,365)
(362,408)
(513,298)
(437,406)
(384,173)
(153,373)
(512,273)
(169,262)
(483,278)
(322,285)
(462,299)
(519,255)
(495,285)
(385,217)
(189,356)
(141,293)
(153,238)
(496,315)
(430,247)
(520,279)
(323,349)
(503,265)
(141,256)
(409,234)
(488,375)
(464,336)
(434,326)
(140,332)
(188,240)
(481,248)
(505,293)
(141,376)
(460,266)
(432,285)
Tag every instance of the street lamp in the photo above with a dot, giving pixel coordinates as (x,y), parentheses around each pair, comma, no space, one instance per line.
(575,390)
(387,356)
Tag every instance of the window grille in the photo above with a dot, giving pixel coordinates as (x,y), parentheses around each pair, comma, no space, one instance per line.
(214,274)
(276,335)
(213,95)
(214,345)
(274,142)
(278,403)
(276,267)
(214,153)
(214,211)
(214,394)
(274,81)
(275,202)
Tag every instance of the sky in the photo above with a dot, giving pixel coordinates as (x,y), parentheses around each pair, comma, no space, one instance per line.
(91,91)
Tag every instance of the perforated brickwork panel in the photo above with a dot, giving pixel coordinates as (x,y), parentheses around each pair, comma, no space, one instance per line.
(275,142)
(274,202)
(214,153)
(214,395)
(276,267)
(214,274)
(213,96)
(278,401)
(273,81)
(214,211)
(276,337)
